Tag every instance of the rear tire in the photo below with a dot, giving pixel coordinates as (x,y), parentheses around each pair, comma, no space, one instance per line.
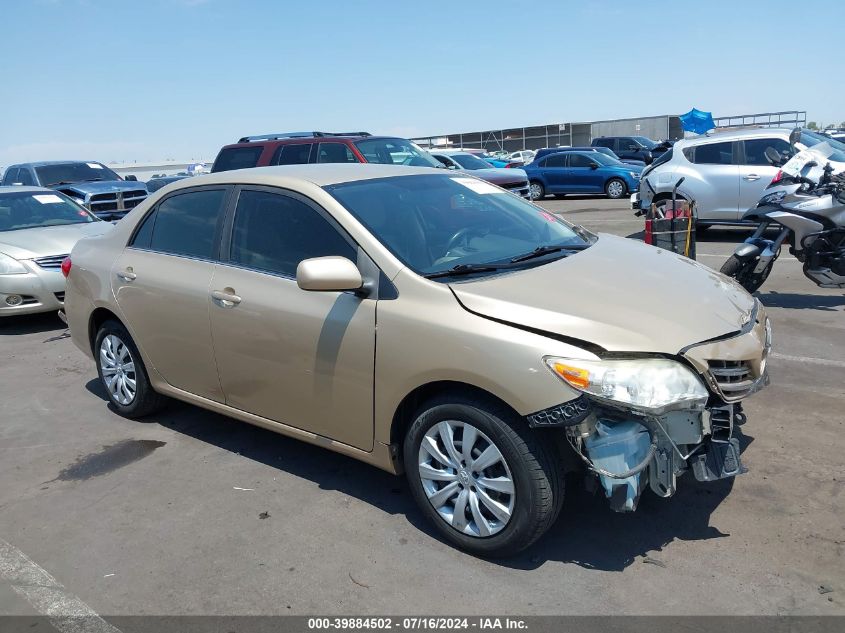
(615,188)
(123,374)
(525,478)
(536,190)
(742,272)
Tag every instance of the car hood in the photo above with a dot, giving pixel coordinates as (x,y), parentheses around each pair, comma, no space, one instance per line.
(499,176)
(619,294)
(101,186)
(48,240)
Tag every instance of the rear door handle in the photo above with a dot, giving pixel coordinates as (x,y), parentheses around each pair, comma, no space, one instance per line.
(751,177)
(127,275)
(226,299)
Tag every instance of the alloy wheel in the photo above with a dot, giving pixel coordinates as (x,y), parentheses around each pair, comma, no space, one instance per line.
(535,191)
(466,478)
(118,369)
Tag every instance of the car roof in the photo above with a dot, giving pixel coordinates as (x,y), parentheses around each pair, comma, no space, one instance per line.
(294,140)
(20,188)
(734,135)
(42,163)
(321,174)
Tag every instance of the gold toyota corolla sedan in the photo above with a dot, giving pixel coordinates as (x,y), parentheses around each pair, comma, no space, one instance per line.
(428,323)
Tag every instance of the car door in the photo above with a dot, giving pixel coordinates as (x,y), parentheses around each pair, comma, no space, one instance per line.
(581,176)
(161,284)
(554,172)
(304,359)
(716,185)
(755,172)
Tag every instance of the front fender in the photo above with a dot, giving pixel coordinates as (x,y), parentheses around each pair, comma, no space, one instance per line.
(758,214)
(747,251)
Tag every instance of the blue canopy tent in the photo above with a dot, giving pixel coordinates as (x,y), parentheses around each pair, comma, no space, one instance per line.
(697,121)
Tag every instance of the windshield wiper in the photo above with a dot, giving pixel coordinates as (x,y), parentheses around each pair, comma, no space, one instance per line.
(463,269)
(546,249)
(93,179)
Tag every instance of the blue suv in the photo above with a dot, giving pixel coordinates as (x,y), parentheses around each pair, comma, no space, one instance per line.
(581,172)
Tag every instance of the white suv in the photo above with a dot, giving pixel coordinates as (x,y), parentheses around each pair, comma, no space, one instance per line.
(725,173)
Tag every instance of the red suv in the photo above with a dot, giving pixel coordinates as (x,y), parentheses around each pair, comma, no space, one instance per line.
(297,148)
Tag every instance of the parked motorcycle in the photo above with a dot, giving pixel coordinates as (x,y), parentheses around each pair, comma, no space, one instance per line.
(809,205)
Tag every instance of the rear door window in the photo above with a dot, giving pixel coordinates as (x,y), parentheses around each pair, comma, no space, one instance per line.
(187,224)
(755,150)
(335,153)
(295,154)
(604,142)
(711,154)
(237,158)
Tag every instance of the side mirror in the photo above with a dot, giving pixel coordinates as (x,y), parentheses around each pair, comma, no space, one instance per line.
(131,178)
(594,165)
(328,274)
(795,136)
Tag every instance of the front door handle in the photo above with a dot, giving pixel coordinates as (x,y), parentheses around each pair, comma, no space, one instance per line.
(127,275)
(227,298)
(751,177)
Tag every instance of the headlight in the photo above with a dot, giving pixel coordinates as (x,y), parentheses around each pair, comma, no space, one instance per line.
(652,385)
(11,266)
(634,175)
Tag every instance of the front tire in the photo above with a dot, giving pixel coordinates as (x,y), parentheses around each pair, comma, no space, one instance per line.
(615,188)
(488,483)
(743,272)
(123,374)
(536,190)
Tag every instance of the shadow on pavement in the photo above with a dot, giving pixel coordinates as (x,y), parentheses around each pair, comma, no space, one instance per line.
(796,301)
(30,324)
(587,533)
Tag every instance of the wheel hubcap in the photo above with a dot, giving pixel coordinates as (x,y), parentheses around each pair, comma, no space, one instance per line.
(615,189)
(535,192)
(466,478)
(118,369)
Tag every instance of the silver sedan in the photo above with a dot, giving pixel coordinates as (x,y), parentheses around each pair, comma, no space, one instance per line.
(38,228)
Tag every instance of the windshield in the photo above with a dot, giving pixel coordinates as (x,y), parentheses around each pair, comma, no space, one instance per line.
(50,175)
(602,159)
(811,138)
(607,152)
(645,142)
(395,151)
(28,210)
(436,222)
(468,161)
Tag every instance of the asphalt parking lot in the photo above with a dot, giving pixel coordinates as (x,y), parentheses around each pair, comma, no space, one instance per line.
(189,512)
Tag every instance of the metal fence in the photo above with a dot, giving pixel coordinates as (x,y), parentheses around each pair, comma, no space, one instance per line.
(661,127)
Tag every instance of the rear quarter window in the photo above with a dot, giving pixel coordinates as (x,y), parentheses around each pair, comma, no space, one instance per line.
(237,158)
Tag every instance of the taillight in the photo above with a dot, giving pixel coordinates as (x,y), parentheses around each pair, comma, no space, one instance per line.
(66,264)
(510,165)
(778,177)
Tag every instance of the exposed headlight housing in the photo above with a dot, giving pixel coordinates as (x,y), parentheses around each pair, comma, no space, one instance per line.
(11,266)
(634,175)
(651,385)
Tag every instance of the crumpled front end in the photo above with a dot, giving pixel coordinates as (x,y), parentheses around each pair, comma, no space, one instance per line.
(649,441)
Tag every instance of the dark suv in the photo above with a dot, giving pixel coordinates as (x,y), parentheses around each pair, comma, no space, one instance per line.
(635,147)
(297,148)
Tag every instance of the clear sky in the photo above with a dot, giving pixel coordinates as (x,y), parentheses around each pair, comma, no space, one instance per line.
(119,80)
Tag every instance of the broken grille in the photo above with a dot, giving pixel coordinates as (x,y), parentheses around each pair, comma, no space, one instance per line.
(734,378)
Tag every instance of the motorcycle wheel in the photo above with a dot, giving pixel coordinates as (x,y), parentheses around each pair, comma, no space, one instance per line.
(743,272)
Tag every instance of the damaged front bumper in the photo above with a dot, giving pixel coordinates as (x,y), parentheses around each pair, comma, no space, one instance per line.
(629,452)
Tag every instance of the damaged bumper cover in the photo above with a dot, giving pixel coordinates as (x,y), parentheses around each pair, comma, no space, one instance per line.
(631,448)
